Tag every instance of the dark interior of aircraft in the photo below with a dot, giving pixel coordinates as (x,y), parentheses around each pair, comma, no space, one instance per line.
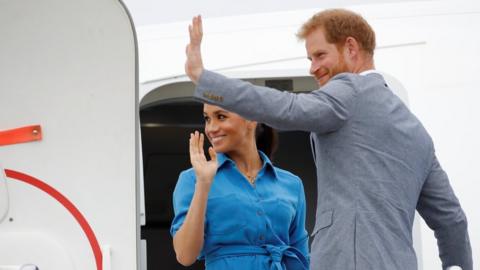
(165,129)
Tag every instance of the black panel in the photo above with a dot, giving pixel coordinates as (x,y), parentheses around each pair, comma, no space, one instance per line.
(282,84)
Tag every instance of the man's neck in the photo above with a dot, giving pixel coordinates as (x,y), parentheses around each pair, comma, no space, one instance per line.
(364,63)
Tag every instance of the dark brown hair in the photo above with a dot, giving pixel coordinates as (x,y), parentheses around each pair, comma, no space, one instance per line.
(267,139)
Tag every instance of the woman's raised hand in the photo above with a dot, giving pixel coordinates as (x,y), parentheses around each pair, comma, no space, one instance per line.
(205,170)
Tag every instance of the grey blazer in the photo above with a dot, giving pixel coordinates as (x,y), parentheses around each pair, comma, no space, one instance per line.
(375,165)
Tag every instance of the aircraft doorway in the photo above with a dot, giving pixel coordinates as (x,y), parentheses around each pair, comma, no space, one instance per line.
(165,129)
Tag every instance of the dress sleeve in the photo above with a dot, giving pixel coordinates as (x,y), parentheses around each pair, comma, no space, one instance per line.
(441,210)
(182,197)
(322,111)
(298,233)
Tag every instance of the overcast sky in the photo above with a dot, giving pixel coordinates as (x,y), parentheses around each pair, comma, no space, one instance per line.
(145,12)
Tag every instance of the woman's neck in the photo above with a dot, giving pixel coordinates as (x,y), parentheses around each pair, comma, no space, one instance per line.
(248,160)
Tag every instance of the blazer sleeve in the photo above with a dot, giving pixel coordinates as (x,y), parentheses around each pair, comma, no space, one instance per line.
(324,110)
(441,210)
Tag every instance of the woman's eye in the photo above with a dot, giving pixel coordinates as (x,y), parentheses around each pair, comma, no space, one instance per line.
(221,117)
(205,118)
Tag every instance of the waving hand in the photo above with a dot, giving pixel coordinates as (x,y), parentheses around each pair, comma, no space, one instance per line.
(194,65)
(204,170)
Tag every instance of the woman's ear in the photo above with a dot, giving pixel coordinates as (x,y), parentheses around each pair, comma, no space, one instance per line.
(252,125)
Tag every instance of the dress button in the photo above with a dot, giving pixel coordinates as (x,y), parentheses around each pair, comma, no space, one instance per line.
(259,212)
(261,237)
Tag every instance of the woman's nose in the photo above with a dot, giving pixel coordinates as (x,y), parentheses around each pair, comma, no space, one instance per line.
(211,126)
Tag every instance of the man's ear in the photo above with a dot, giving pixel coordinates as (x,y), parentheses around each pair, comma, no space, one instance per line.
(351,48)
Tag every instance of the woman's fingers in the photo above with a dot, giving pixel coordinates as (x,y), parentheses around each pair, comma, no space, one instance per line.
(193,145)
(192,149)
(197,140)
(213,154)
(203,169)
(196,147)
(200,144)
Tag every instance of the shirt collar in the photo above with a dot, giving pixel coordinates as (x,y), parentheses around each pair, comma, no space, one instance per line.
(376,73)
(222,159)
(267,166)
(370,71)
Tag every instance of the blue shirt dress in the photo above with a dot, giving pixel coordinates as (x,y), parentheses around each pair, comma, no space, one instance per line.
(249,227)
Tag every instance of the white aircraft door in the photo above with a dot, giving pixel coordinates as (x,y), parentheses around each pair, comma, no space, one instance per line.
(68,136)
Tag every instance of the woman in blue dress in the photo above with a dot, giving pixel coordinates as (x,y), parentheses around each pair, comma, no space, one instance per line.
(236,210)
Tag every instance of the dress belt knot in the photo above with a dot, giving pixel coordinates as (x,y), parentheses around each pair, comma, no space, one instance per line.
(281,257)
(276,252)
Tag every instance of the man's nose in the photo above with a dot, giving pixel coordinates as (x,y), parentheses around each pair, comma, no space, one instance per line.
(313,67)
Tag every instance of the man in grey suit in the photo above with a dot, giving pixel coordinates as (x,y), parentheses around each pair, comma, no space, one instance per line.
(375,162)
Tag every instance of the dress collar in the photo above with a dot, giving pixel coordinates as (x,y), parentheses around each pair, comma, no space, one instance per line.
(267,166)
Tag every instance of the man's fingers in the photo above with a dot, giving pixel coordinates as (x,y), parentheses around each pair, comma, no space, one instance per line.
(191,30)
(198,27)
(195,25)
(193,65)
(196,31)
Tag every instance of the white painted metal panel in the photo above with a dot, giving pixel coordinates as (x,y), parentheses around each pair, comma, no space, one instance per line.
(71,67)
(3,195)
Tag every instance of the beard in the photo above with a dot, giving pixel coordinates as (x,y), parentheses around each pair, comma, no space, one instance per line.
(341,67)
(329,73)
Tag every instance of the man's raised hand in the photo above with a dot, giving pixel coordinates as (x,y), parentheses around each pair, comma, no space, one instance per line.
(194,65)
